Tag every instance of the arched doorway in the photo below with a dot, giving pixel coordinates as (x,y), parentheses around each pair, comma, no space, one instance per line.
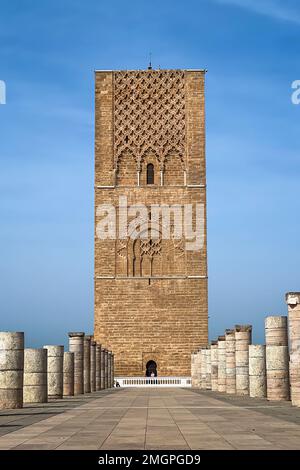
(151,368)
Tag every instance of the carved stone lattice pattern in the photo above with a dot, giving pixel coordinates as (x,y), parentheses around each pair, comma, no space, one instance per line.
(150,247)
(149,114)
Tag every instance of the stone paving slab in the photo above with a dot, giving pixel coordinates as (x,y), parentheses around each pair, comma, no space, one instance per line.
(152,418)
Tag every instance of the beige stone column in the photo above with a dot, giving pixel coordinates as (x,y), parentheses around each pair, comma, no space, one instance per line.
(98,367)
(93,366)
(102,371)
(214,365)
(203,368)
(243,337)
(257,371)
(68,379)
(277,358)
(11,369)
(106,368)
(208,368)
(230,362)
(193,369)
(293,302)
(35,376)
(76,346)
(109,369)
(221,364)
(112,370)
(87,364)
(198,369)
(55,371)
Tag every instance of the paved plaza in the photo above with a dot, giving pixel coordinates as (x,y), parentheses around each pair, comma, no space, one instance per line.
(152,418)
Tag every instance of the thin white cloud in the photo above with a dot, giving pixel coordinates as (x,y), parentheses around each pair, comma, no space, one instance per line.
(284,10)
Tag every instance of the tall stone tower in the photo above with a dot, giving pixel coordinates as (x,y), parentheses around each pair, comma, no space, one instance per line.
(150,292)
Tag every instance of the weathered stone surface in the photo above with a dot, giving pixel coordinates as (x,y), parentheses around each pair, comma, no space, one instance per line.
(221,364)
(203,365)
(230,361)
(257,371)
(68,376)
(214,366)
(93,366)
(106,368)
(102,371)
(293,302)
(276,331)
(243,338)
(277,358)
(172,288)
(76,346)
(35,376)
(55,371)
(208,368)
(11,369)
(87,364)
(98,367)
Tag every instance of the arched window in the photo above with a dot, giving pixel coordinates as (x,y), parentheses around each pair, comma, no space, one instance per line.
(150,173)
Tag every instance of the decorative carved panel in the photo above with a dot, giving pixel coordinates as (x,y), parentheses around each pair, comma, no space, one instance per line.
(149,114)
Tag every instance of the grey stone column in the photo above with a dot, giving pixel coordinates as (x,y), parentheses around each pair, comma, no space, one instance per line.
(109,369)
(277,358)
(93,366)
(55,371)
(11,369)
(102,371)
(76,346)
(243,337)
(87,364)
(221,364)
(98,367)
(214,366)
(293,302)
(208,368)
(112,370)
(68,389)
(106,369)
(257,371)
(35,376)
(230,362)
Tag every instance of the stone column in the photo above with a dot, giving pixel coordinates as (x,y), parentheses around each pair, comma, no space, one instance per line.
(87,364)
(93,366)
(35,376)
(68,388)
(214,366)
(193,368)
(106,368)
(293,302)
(257,371)
(230,362)
(76,346)
(98,367)
(109,369)
(221,364)
(208,368)
(55,371)
(203,367)
(277,358)
(11,369)
(243,337)
(102,371)
(112,370)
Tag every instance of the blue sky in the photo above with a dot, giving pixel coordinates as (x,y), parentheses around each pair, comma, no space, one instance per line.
(48,52)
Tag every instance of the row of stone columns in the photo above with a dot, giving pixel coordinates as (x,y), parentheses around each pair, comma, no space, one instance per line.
(36,375)
(235,366)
